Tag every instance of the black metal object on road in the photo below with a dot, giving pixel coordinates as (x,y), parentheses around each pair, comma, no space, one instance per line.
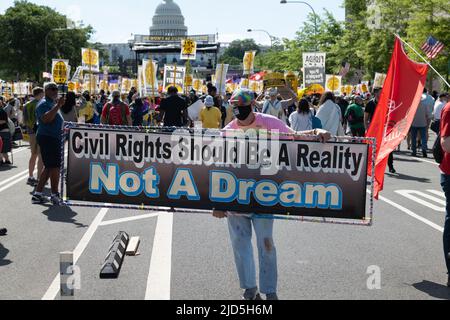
(113,263)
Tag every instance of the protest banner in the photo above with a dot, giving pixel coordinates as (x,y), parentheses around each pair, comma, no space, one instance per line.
(235,172)
(195,109)
(174,76)
(221,78)
(188,49)
(334,84)
(273,80)
(90,60)
(249,62)
(314,69)
(125,85)
(60,71)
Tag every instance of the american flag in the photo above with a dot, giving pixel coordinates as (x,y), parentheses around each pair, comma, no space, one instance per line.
(432,47)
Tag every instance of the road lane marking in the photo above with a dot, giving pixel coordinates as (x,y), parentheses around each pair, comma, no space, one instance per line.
(412,214)
(13,177)
(160,271)
(21,178)
(438,193)
(410,194)
(141,217)
(53,290)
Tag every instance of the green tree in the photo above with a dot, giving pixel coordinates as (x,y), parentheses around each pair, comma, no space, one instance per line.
(24,27)
(235,52)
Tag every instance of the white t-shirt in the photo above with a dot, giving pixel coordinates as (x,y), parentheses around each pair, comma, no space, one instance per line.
(439,105)
(301,121)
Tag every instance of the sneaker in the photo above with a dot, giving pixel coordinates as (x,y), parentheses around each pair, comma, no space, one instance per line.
(272,297)
(392,170)
(39,198)
(56,199)
(8,163)
(32,182)
(251,294)
(3,232)
(424,153)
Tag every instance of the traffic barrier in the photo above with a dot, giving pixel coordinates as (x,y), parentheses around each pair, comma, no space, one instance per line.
(114,259)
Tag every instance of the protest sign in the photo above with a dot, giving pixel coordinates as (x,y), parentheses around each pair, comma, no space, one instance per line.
(249,62)
(174,76)
(234,172)
(188,49)
(221,78)
(90,60)
(274,79)
(314,69)
(60,71)
(380,78)
(334,84)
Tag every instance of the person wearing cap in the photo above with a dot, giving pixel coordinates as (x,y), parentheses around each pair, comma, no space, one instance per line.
(116,112)
(276,107)
(210,116)
(48,136)
(240,225)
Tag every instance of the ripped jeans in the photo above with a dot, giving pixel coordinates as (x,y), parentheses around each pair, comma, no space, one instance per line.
(240,228)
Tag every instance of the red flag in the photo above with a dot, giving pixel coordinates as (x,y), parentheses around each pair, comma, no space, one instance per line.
(396,109)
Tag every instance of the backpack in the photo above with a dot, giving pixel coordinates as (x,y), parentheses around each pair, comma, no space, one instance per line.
(316,123)
(123,112)
(438,153)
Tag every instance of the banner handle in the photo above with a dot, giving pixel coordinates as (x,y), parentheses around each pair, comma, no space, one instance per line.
(425,60)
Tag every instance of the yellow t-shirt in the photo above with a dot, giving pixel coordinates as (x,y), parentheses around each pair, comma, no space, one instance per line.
(88,111)
(211,118)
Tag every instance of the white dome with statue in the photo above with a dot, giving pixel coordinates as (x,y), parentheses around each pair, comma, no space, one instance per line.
(168,20)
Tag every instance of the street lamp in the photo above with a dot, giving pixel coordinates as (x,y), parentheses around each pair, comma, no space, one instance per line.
(312,9)
(70,25)
(272,38)
(46,45)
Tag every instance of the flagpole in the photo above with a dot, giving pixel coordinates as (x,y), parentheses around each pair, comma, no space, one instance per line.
(426,61)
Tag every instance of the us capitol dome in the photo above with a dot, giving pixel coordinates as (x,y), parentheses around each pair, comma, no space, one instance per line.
(168,20)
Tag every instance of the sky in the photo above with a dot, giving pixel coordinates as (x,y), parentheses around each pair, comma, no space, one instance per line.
(116,20)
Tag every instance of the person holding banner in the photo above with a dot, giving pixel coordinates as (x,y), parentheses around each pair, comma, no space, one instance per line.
(240,225)
(275,107)
(50,124)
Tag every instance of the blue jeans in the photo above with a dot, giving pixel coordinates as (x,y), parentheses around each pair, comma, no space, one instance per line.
(445,183)
(240,228)
(423,135)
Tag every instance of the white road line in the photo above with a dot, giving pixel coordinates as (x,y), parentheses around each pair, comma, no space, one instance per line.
(111,222)
(158,281)
(53,290)
(21,178)
(411,195)
(438,193)
(13,177)
(412,214)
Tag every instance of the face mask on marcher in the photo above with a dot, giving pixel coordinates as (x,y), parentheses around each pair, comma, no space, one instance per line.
(242,113)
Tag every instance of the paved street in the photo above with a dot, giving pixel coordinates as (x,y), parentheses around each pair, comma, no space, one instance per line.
(185,256)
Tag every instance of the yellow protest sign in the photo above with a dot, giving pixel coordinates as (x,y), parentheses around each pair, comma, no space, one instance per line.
(60,71)
(188,49)
(249,62)
(197,84)
(90,59)
(188,80)
(333,83)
